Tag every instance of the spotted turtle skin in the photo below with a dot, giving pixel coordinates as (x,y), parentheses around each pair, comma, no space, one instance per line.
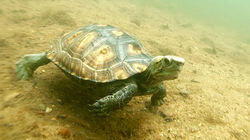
(99,53)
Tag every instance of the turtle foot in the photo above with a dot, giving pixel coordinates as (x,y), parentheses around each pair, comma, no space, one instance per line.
(26,66)
(157,102)
(24,69)
(153,106)
(99,108)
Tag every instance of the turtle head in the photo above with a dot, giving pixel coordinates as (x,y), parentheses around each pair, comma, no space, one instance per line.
(165,67)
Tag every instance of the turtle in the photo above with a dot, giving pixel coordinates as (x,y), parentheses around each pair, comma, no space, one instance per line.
(105,56)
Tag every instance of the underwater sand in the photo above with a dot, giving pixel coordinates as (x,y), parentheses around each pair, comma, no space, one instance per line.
(209,100)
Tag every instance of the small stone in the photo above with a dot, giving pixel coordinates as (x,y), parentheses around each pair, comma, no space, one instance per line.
(167,118)
(64,132)
(194,71)
(53,119)
(60,101)
(61,116)
(43,71)
(183,91)
(67,125)
(48,110)
(193,129)
(195,81)
(11,96)
(42,107)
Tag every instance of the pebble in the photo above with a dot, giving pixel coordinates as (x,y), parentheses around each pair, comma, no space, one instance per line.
(42,107)
(43,71)
(64,132)
(48,110)
(61,116)
(11,96)
(53,119)
(195,81)
(59,100)
(183,90)
(167,118)
(162,134)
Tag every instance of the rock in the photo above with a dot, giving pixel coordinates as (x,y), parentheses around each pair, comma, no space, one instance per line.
(48,109)
(11,96)
(61,116)
(194,71)
(187,25)
(195,81)
(53,119)
(167,118)
(42,107)
(59,100)
(165,27)
(3,43)
(64,132)
(183,90)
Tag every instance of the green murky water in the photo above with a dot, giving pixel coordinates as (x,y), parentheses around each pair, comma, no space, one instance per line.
(209,100)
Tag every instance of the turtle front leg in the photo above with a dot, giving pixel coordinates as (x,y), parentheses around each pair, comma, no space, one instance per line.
(26,66)
(158,96)
(159,92)
(104,106)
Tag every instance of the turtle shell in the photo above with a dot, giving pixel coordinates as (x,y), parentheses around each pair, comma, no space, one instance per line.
(99,53)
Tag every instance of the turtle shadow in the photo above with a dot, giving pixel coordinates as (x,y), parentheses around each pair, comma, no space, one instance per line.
(74,101)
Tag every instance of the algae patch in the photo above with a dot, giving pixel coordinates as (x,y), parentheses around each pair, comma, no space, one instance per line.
(3,43)
(59,17)
(162,50)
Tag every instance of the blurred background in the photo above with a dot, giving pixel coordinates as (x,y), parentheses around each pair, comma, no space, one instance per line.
(229,14)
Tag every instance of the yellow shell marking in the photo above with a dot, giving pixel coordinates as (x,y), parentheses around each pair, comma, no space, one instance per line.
(86,73)
(86,41)
(103,76)
(134,50)
(117,33)
(58,58)
(139,67)
(120,74)
(72,38)
(66,62)
(72,65)
(103,51)
(102,55)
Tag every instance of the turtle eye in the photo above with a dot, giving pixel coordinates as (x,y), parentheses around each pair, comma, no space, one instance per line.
(167,61)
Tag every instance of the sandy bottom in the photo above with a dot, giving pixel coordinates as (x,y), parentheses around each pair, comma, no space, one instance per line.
(210,100)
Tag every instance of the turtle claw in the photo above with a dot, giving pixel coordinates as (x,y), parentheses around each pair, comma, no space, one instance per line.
(154,105)
(100,109)
(158,102)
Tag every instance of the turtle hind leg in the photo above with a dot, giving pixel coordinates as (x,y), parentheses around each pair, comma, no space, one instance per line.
(26,66)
